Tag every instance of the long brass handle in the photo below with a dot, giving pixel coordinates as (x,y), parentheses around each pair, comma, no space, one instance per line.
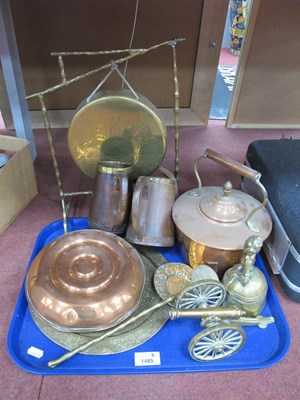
(233,165)
(227,162)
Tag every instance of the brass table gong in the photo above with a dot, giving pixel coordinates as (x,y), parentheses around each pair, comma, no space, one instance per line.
(117,125)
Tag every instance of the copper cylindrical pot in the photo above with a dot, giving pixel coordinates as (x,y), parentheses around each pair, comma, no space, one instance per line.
(151,221)
(110,204)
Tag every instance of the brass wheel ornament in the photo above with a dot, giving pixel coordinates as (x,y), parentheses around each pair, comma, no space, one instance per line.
(201,294)
(217,343)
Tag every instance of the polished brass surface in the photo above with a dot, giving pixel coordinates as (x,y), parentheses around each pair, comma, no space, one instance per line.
(150,221)
(176,110)
(259,320)
(217,342)
(111,199)
(114,167)
(129,337)
(114,125)
(213,223)
(86,280)
(171,278)
(229,311)
(217,313)
(195,253)
(222,335)
(245,284)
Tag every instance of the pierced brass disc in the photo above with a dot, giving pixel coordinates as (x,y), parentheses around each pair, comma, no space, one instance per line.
(114,125)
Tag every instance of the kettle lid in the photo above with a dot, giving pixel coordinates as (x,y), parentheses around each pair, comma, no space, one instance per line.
(224,207)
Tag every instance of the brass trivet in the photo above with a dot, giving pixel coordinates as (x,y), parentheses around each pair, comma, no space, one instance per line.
(130,337)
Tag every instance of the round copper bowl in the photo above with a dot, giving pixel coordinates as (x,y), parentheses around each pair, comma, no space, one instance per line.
(86,280)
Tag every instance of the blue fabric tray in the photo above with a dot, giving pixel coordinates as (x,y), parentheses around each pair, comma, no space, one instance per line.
(263,347)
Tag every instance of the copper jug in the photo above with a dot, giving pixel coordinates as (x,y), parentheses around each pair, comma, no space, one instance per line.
(151,221)
(110,206)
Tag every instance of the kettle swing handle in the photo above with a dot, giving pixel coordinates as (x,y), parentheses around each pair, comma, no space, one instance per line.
(239,168)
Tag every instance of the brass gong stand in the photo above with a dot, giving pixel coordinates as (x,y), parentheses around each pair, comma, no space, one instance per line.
(66,197)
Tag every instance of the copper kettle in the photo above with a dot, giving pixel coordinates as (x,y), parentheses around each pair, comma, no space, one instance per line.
(213,223)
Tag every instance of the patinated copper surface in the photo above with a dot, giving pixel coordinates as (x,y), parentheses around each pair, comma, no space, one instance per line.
(86,280)
(116,126)
(127,338)
(211,225)
(110,204)
(151,221)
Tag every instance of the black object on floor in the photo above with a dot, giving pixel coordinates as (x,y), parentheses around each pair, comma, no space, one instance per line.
(279,163)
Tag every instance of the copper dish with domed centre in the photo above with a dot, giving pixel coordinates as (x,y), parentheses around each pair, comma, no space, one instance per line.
(87,280)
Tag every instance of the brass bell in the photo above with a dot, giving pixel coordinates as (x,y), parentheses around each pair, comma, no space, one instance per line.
(245,284)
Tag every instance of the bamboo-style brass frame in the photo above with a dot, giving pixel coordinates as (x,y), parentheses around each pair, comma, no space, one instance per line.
(65,196)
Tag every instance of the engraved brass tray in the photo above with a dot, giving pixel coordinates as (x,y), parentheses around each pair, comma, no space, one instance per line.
(86,281)
(114,125)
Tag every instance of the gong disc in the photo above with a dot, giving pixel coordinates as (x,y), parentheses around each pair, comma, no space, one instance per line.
(87,280)
(114,125)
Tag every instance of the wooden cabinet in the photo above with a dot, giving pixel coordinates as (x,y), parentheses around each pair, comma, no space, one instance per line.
(267,90)
(43,27)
